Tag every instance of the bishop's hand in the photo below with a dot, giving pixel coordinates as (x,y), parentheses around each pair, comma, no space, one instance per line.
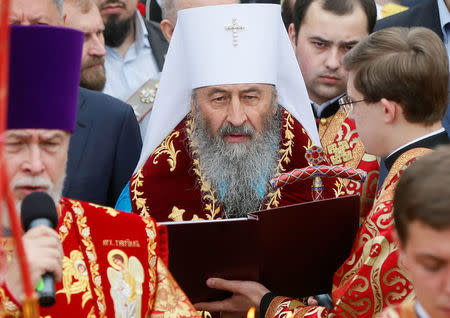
(246,294)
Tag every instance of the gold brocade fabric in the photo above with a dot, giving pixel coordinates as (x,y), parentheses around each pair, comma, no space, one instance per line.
(371,278)
(341,142)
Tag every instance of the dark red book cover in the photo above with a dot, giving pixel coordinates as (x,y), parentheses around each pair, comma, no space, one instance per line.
(292,250)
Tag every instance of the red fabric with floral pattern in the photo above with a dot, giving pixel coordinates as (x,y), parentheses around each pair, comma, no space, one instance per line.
(371,278)
(94,284)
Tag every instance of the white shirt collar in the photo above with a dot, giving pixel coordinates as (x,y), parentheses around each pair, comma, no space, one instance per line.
(320,108)
(141,32)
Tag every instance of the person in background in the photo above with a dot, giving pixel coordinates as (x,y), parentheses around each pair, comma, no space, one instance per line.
(106,144)
(135,48)
(322,34)
(83,15)
(432,14)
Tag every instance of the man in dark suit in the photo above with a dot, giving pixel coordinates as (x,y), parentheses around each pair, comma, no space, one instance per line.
(425,14)
(135,47)
(104,149)
(106,144)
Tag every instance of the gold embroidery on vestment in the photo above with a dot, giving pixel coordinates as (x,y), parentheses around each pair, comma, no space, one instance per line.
(75,279)
(168,148)
(152,259)
(170,299)
(140,201)
(339,152)
(91,253)
(285,158)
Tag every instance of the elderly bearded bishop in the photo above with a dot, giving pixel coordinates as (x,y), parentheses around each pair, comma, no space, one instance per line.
(231,112)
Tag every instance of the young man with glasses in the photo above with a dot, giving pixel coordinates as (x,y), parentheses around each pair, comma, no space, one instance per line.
(322,32)
(397,96)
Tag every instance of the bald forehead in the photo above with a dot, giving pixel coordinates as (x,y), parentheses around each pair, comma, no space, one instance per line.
(187,4)
(84,5)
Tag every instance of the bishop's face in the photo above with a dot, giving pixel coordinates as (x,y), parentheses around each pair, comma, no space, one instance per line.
(36,161)
(237,105)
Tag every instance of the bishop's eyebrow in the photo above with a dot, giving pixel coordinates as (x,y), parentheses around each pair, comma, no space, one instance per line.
(216,90)
(251,90)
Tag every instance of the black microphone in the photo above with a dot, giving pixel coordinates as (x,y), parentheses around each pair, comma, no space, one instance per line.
(38,208)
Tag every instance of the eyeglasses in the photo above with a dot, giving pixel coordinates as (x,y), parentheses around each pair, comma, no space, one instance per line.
(346,104)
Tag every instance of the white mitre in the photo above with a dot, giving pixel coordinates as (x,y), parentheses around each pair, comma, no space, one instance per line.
(227,44)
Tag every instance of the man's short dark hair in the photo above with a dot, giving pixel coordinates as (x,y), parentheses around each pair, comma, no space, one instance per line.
(423,193)
(337,7)
(287,13)
(407,66)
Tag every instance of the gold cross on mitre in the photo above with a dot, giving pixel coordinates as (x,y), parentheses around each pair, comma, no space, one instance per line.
(235,27)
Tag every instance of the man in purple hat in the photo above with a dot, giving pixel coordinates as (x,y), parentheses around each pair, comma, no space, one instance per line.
(82,253)
(106,144)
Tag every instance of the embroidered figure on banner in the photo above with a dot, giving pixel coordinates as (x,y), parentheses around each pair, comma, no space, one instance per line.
(126,276)
(75,277)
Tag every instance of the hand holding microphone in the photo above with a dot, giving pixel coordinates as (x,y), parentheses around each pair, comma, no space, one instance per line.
(42,246)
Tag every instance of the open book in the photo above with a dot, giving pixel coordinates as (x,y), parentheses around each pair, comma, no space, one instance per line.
(292,250)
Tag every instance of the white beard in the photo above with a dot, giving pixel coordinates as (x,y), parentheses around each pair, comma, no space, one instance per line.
(53,190)
(238,168)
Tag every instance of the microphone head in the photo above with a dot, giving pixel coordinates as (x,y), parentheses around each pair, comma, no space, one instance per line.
(38,205)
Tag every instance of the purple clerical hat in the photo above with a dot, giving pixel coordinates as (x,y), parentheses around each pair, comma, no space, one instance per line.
(44,76)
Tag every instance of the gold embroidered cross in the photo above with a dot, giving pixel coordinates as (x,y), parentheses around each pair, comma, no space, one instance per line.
(235,27)
(340,152)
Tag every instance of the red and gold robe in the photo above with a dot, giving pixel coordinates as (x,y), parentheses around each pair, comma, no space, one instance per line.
(343,147)
(171,186)
(93,285)
(404,310)
(371,278)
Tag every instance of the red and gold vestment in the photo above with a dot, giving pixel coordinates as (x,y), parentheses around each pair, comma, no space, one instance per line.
(343,147)
(95,283)
(371,278)
(171,186)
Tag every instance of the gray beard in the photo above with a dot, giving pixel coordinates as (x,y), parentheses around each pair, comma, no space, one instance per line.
(238,167)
